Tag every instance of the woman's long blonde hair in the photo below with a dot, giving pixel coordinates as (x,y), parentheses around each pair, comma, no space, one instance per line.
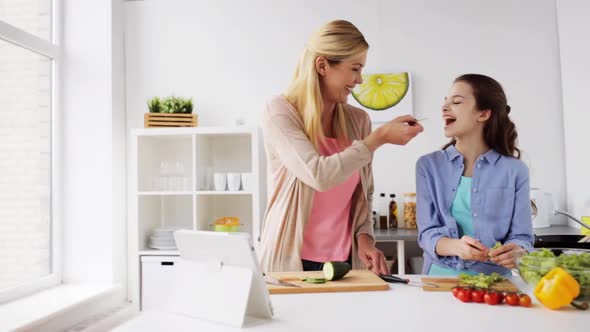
(336,41)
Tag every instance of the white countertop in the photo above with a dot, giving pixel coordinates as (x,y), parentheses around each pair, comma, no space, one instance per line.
(402,308)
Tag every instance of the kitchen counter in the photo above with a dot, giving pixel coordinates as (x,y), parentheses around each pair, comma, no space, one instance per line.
(556,229)
(404,234)
(384,235)
(402,308)
(400,235)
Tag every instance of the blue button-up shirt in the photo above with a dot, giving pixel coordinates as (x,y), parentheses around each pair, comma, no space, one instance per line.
(500,205)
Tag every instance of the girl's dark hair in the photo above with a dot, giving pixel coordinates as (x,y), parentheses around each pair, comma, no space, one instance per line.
(499,131)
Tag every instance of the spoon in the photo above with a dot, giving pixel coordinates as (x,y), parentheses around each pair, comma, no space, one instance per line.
(414,122)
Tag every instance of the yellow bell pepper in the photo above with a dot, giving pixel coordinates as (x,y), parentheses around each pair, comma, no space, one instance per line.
(557,289)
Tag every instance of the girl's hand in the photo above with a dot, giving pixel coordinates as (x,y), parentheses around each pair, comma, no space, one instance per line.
(505,255)
(372,257)
(469,248)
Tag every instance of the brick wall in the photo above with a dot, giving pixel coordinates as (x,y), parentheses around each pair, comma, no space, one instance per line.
(25,98)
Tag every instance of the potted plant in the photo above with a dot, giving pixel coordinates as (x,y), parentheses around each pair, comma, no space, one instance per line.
(170,111)
(155,105)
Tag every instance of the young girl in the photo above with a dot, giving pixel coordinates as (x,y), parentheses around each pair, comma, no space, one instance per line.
(475,192)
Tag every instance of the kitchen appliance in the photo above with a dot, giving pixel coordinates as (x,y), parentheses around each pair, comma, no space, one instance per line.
(542,208)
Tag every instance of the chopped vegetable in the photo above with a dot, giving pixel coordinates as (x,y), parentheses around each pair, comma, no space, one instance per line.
(335,270)
(481,280)
(557,289)
(314,280)
(496,246)
(538,263)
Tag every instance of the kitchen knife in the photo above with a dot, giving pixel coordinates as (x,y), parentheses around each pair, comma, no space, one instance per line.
(394,279)
(274,281)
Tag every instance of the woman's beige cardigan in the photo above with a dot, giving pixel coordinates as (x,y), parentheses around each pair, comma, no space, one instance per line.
(295,171)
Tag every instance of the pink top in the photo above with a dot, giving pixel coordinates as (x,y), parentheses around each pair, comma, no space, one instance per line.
(327,234)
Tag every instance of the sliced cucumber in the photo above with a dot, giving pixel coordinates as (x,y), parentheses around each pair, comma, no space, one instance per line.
(314,280)
(335,270)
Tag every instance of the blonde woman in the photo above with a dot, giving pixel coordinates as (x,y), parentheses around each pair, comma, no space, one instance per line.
(319,152)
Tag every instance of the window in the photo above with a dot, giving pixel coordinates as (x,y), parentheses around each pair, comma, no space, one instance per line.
(28,250)
(32,16)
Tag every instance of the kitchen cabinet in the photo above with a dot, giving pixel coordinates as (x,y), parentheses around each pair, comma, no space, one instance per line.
(156,276)
(171,186)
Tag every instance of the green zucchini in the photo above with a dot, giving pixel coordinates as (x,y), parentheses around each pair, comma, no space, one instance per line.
(335,270)
(314,280)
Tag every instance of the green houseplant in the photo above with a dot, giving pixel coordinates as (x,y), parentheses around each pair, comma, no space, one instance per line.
(155,105)
(171,104)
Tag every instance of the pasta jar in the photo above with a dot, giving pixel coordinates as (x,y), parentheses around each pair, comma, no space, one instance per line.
(410,210)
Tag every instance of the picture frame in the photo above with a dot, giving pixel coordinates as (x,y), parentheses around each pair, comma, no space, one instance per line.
(379,93)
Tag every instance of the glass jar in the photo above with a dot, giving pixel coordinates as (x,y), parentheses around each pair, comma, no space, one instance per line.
(410,210)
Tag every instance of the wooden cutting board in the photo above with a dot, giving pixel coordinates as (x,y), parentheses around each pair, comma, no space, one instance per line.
(447,284)
(354,281)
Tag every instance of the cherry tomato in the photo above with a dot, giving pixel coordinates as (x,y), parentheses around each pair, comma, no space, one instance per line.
(501,296)
(511,299)
(464,295)
(524,300)
(492,298)
(456,291)
(477,295)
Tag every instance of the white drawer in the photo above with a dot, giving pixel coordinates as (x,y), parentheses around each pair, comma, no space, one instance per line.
(156,277)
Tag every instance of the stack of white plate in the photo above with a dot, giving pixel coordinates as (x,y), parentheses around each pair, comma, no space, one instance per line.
(162,239)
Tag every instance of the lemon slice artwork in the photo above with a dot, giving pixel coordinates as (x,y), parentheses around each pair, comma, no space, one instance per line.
(381,91)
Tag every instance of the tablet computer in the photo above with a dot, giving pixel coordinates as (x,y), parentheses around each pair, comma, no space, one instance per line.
(219,278)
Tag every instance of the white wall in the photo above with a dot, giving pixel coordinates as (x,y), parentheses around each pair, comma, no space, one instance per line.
(118,144)
(574,27)
(231,56)
(93,139)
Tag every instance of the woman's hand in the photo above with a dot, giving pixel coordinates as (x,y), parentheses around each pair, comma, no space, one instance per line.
(505,255)
(398,131)
(372,257)
(468,248)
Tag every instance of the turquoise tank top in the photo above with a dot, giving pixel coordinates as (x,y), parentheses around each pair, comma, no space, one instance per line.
(461,211)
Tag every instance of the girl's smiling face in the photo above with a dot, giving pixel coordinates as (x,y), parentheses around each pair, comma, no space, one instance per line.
(459,112)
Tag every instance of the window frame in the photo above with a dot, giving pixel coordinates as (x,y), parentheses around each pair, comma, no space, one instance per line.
(52,50)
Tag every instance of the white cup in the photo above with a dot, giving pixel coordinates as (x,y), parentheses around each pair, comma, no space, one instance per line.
(247,182)
(219,181)
(205,178)
(234,181)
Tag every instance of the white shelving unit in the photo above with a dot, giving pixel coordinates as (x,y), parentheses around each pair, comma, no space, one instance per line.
(190,156)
